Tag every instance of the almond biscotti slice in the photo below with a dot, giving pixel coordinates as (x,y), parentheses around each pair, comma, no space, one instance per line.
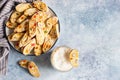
(48,43)
(74,57)
(33,69)
(37,50)
(14,16)
(49,23)
(54,33)
(21,18)
(22,7)
(24,40)
(38,16)
(30,11)
(22,27)
(15,36)
(29,47)
(52,21)
(39,36)
(11,25)
(40,5)
(23,63)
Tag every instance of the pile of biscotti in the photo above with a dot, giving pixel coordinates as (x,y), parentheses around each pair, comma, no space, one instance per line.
(34,28)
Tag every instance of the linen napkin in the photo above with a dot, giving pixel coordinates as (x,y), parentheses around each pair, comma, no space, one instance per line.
(6,6)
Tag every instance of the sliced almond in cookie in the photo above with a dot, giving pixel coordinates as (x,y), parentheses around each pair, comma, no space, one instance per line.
(22,27)
(22,7)
(11,25)
(40,5)
(73,57)
(54,33)
(28,48)
(24,40)
(37,50)
(15,36)
(33,69)
(23,63)
(21,18)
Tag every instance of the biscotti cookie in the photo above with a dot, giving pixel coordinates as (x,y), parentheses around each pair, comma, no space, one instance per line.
(23,63)
(73,57)
(22,7)
(33,69)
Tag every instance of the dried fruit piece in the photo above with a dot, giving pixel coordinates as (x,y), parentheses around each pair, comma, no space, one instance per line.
(33,69)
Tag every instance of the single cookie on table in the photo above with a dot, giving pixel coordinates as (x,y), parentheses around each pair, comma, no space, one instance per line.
(14,16)
(22,7)
(22,27)
(37,50)
(11,25)
(31,66)
(40,5)
(23,63)
(15,36)
(30,11)
(33,69)
(74,57)
(29,47)
(21,18)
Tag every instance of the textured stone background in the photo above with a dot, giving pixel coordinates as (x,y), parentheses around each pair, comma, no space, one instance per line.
(91,26)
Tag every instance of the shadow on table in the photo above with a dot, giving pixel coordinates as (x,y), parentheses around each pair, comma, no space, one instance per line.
(43,60)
